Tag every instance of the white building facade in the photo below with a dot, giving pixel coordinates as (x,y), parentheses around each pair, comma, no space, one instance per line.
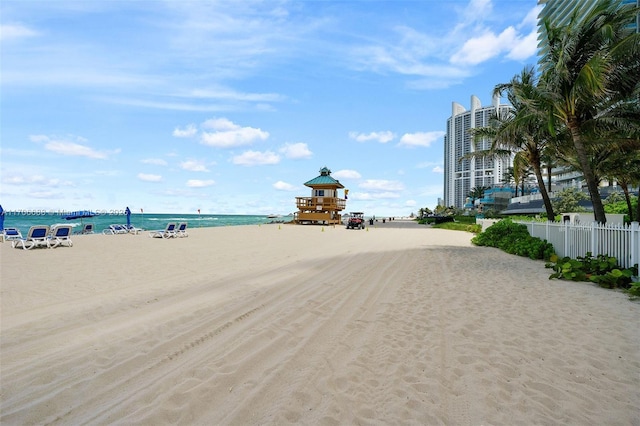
(461,174)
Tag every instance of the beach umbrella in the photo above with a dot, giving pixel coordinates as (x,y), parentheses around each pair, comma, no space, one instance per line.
(1,218)
(128,213)
(80,214)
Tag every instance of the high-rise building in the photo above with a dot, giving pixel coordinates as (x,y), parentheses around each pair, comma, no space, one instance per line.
(463,172)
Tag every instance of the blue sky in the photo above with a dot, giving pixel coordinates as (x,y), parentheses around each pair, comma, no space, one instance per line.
(230,106)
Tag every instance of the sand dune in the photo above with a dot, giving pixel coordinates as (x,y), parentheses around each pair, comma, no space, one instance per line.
(282,324)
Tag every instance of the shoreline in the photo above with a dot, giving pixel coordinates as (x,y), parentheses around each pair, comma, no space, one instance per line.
(274,324)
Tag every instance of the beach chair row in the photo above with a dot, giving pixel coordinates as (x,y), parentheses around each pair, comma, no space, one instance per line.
(41,236)
(121,229)
(172,230)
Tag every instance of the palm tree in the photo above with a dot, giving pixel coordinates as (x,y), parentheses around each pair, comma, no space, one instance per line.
(522,169)
(509,177)
(591,76)
(521,131)
(477,192)
(517,175)
(624,167)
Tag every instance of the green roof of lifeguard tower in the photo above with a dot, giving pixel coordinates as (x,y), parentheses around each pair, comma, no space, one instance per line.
(324,179)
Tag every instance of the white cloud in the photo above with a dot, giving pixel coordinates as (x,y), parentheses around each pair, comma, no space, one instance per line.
(475,11)
(420,138)
(197,183)
(108,173)
(525,47)
(517,43)
(415,61)
(420,54)
(154,161)
(188,132)
(231,94)
(220,124)
(370,196)
(194,166)
(44,194)
(149,178)
(113,80)
(427,164)
(296,151)
(346,174)
(38,180)
(283,186)
(381,185)
(70,147)
(485,47)
(531,20)
(437,82)
(228,134)
(15,31)
(438,169)
(382,137)
(256,158)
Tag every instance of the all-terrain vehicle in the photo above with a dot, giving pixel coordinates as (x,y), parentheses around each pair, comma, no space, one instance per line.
(355,220)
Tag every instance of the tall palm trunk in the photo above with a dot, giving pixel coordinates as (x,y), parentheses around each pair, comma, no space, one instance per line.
(537,170)
(638,207)
(587,171)
(627,198)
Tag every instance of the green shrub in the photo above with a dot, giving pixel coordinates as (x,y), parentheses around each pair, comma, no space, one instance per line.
(634,290)
(514,238)
(602,270)
(465,219)
(455,226)
(474,228)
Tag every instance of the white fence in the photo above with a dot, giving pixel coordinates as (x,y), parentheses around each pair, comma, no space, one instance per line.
(573,240)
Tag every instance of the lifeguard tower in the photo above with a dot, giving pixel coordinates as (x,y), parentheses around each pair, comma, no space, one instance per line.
(324,206)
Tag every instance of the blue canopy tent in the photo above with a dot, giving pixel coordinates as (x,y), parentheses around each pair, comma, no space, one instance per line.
(1,218)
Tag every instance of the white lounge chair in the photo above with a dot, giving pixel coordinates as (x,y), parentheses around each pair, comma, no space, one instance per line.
(10,234)
(86,229)
(181,230)
(132,229)
(38,236)
(60,235)
(168,232)
(116,229)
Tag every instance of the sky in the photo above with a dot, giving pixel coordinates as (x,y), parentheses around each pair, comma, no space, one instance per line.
(231,106)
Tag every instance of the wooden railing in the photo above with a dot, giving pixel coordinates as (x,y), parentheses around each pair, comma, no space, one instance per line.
(320,203)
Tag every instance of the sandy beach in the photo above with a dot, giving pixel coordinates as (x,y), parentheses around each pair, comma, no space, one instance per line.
(399,324)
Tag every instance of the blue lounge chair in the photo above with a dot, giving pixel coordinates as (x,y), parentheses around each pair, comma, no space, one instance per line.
(38,236)
(60,235)
(168,232)
(181,231)
(11,234)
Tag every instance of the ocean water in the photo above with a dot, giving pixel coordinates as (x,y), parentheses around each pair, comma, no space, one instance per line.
(23,220)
